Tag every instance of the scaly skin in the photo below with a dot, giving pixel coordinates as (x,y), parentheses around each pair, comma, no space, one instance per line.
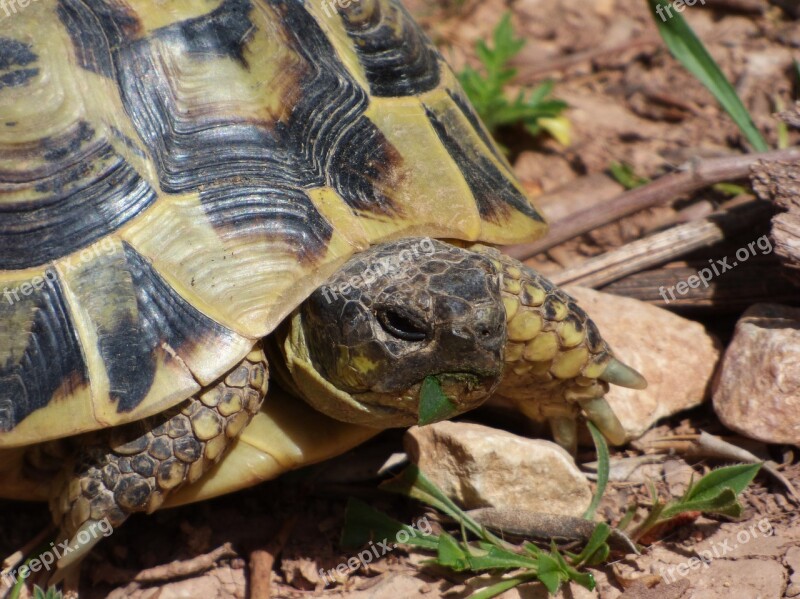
(555,356)
(133,468)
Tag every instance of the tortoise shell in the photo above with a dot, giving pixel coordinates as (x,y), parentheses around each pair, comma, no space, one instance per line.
(176,177)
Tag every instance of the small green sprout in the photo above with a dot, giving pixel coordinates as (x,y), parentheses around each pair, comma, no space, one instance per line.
(716,493)
(624,174)
(50,593)
(537,112)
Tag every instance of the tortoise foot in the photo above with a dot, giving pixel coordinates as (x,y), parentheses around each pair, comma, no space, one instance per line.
(557,364)
(133,468)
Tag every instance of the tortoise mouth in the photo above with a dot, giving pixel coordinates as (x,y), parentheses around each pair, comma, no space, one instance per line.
(464,391)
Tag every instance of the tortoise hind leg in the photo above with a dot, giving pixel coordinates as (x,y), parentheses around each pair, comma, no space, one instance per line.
(133,468)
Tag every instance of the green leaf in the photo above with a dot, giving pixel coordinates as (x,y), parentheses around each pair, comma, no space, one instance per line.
(652,518)
(689,50)
(532,549)
(722,503)
(630,514)
(602,469)
(50,593)
(559,128)
(600,556)
(16,590)
(363,523)
(624,175)
(489,552)
(584,579)
(497,558)
(549,572)
(434,405)
(596,544)
(736,477)
(450,553)
(729,189)
(502,586)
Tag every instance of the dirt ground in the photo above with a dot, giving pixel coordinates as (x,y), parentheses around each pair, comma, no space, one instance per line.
(629,102)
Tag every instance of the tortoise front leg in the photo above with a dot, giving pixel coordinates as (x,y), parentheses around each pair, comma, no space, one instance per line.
(134,467)
(557,364)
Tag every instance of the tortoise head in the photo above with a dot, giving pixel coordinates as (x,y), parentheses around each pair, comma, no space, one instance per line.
(363,343)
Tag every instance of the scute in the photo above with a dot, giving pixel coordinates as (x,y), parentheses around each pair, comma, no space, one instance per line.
(174,180)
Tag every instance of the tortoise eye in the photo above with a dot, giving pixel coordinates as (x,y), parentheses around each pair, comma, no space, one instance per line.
(400,325)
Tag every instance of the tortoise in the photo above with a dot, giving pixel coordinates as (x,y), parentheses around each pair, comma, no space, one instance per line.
(201,197)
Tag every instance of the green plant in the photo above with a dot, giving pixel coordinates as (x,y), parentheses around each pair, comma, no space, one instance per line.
(50,593)
(690,51)
(486,553)
(624,174)
(715,493)
(537,112)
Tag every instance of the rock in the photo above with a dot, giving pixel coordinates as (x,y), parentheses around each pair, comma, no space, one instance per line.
(479,467)
(676,356)
(757,392)
(792,561)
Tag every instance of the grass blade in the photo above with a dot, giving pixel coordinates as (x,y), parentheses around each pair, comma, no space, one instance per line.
(689,50)
(602,469)
(502,586)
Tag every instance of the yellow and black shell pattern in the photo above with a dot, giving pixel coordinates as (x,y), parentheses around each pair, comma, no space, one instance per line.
(176,176)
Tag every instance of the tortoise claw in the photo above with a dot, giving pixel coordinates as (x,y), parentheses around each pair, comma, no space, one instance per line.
(565,433)
(620,374)
(600,413)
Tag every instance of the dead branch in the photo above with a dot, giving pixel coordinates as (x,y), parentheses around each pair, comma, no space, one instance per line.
(693,176)
(181,569)
(663,247)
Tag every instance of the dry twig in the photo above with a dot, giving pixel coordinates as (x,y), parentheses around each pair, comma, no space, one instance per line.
(263,560)
(663,247)
(181,569)
(692,177)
